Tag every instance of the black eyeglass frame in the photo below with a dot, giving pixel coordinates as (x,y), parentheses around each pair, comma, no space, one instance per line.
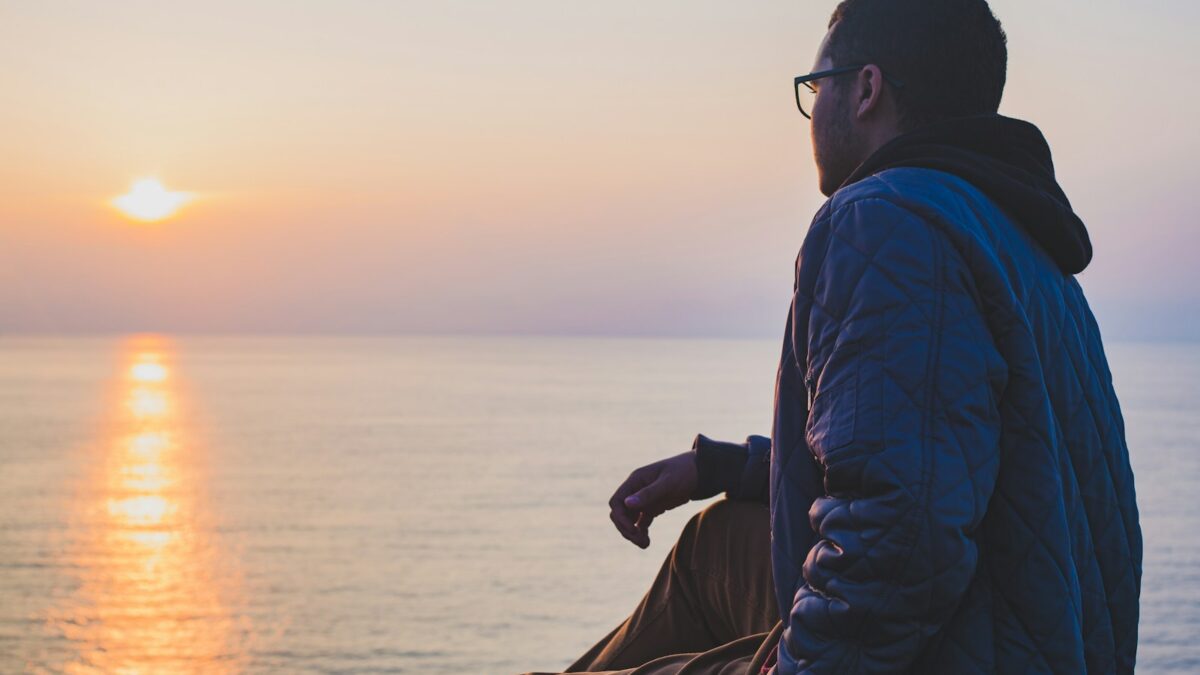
(805,79)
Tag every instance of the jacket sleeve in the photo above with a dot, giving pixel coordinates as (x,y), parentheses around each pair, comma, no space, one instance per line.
(740,470)
(903,379)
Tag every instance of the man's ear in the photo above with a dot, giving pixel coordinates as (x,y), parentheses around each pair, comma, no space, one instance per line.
(868,90)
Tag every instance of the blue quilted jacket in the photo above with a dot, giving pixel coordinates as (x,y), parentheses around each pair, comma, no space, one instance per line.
(949,480)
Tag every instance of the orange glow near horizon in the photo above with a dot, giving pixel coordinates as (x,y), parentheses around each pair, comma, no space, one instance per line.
(331,163)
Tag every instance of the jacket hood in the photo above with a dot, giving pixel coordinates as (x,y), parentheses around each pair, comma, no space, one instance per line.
(1009,161)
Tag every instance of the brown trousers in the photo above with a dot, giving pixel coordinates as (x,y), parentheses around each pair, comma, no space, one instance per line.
(710,611)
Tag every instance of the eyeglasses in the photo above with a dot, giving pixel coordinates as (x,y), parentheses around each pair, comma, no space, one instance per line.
(806,96)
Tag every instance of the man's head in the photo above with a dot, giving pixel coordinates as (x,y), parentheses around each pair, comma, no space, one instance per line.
(950,57)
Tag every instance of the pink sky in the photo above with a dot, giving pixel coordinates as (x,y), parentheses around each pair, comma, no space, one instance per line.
(531,167)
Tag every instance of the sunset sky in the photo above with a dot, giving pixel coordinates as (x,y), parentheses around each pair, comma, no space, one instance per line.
(518,167)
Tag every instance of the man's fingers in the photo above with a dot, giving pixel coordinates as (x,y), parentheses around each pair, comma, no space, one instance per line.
(624,526)
(622,515)
(624,523)
(633,535)
(642,527)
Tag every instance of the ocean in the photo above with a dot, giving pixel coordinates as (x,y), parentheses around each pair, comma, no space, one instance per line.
(412,504)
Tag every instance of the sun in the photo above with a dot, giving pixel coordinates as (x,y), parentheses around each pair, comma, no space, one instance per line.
(148,201)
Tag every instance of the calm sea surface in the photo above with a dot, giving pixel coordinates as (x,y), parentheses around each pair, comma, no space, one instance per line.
(422,505)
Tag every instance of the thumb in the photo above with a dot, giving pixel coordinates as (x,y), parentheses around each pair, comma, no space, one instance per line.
(647,495)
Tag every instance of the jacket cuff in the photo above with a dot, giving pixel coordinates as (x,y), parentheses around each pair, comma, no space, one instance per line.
(719,466)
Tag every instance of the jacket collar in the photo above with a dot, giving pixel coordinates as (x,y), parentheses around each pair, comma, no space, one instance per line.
(1009,161)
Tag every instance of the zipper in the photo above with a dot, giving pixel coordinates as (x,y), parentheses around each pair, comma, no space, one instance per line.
(808,388)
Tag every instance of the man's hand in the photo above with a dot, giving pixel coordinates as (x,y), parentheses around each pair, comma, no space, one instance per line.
(651,490)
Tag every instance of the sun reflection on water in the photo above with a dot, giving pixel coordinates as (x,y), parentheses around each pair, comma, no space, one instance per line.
(154,593)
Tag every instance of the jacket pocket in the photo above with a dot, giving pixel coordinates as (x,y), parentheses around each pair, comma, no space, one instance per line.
(832,412)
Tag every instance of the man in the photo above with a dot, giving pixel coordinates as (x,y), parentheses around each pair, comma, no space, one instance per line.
(948,481)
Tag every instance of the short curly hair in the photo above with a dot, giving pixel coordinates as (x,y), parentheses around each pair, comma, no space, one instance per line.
(951,55)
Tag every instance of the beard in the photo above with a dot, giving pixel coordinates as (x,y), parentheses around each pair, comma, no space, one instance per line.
(834,149)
